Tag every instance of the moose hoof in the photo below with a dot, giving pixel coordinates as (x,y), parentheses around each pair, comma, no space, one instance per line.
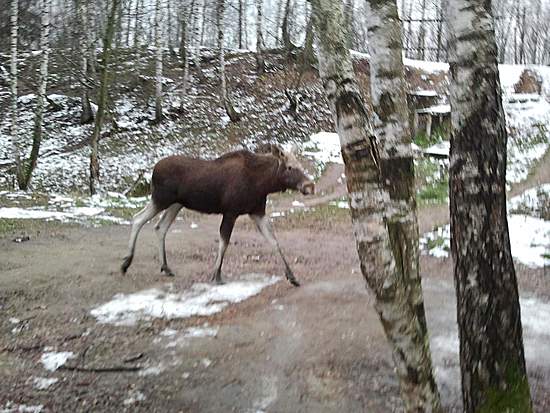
(291,279)
(167,271)
(217,279)
(125,264)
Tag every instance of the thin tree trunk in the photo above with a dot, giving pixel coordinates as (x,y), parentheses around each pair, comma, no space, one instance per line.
(158,63)
(408,38)
(203,25)
(492,362)
(136,25)
(30,165)
(87,115)
(13,89)
(285,30)
(169,25)
(128,23)
(240,30)
(195,41)
(397,300)
(102,99)
(348,20)
(91,30)
(422,34)
(231,112)
(187,20)
(260,62)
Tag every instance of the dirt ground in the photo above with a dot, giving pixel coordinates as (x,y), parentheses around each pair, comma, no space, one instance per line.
(316,348)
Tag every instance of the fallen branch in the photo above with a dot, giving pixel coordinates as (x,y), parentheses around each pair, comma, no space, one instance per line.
(109,369)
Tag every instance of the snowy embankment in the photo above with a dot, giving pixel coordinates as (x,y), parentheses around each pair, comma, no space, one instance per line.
(529,230)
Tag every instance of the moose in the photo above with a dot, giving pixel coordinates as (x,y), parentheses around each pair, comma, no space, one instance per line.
(234,184)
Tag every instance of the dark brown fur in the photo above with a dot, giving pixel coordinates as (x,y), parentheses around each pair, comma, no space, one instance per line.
(234,184)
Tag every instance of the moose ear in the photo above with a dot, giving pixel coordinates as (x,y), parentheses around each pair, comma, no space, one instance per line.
(277,152)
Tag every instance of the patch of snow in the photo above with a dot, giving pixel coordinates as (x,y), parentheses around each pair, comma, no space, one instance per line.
(193,225)
(430,67)
(52,360)
(439,149)
(436,109)
(201,332)
(14,320)
(277,214)
(324,147)
(528,199)
(206,362)
(298,204)
(42,383)
(429,93)
(11,407)
(201,299)
(134,396)
(152,370)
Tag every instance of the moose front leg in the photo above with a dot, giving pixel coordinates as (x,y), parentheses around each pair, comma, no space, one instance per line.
(262,223)
(226,228)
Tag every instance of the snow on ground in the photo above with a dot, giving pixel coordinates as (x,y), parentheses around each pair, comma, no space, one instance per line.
(11,407)
(201,299)
(42,383)
(52,360)
(529,235)
(134,396)
(65,209)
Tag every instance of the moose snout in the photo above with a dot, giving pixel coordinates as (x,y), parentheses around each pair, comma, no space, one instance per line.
(307,188)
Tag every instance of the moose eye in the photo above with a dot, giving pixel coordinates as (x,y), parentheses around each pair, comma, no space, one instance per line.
(288,168)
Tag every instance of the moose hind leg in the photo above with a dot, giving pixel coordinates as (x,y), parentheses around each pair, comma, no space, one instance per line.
(140,219)
(262,223)
(226,228)
(161,229)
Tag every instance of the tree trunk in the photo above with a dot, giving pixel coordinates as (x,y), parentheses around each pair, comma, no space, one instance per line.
(13,89)
(30,165)
(87,115)
(388,91)
(494,377)
(285,30)
(158,62)
(348,21)
(240,30)
(308,54)
(187,19)
(231,112)
(422,34)
(102,99)
(196,42)
(136,25)
(397,300)
(260,62)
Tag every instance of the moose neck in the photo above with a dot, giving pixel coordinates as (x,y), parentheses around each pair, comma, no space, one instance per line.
(268,181)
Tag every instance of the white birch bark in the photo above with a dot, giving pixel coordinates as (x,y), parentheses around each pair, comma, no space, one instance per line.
(369,203)
(41,96)
(13,86)
(492,361)
(86,115)
(388,92)
(231,112)
(196,37)
(260,61)
(158,61)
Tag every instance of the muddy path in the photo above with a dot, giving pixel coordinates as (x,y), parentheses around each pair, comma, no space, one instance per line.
(317,348)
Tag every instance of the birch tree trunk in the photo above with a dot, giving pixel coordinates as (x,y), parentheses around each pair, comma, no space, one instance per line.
(196,38)
(396,300)
(158,62)
(260,61)
(240,30)
(136,25)
(86,116)
(422,33)
(102,98)
(13,88)
(30,165)
(188,37)
(388,91)
(230,110)
(285,30)
(492,362)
